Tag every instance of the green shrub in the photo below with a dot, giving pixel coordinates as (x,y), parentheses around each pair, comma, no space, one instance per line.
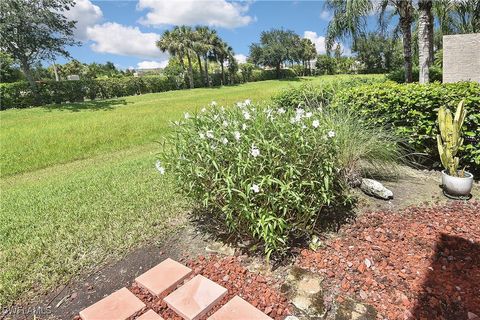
(308,94)
(265,174)
(411,110)
(272,174)
(399,74)
(20,95)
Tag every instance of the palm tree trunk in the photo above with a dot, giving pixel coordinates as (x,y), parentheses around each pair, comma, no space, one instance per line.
(190,71)
(207,80)
(424,38)
(223,73)
(407,49)
(200,67)
(33,86)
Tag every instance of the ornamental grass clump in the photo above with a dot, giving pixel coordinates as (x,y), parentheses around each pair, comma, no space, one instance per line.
(268,174)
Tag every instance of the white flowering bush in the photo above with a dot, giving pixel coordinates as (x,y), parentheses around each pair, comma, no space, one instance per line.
(265,173)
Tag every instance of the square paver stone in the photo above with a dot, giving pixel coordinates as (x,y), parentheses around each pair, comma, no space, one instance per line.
(195,298)
(118,306)
(164,276)
(150,315)
(238,309)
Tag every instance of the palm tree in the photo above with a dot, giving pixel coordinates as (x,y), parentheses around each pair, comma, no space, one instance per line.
(185,38)
(206,39)
(170,43)
(350,20)
(221,51)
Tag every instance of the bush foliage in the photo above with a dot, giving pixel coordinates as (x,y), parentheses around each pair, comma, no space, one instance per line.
(399,74)
(317,96)
(411,110)
(20,94)
(264,173)
(271,174)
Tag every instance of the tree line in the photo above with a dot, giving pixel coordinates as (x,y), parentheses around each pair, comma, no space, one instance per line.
(453,16)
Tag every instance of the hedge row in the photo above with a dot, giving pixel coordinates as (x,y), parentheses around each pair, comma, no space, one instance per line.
(411,109)
(20,95)
(435,73)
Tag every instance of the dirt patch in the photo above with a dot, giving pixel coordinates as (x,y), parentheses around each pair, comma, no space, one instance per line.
(412,187)
(418,263)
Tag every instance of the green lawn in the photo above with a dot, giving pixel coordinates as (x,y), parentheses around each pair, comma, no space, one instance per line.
(78,182)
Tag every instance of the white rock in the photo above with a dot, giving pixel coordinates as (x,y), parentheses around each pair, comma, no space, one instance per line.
(375,189)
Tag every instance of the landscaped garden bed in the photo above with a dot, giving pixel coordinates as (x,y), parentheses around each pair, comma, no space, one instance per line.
(422,262)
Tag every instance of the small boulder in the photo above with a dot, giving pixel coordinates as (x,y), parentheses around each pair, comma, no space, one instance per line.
(375,189)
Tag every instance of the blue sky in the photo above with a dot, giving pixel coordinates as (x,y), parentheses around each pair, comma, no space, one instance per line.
(124,32)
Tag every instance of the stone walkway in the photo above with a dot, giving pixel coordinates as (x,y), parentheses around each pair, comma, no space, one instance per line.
(191,300)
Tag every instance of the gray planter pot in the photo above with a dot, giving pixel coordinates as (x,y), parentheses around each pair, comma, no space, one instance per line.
(457,186)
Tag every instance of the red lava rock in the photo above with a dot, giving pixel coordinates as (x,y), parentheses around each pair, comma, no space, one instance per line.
(420,257)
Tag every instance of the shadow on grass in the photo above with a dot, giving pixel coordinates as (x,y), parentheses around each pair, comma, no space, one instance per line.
(95,105)
(451,288)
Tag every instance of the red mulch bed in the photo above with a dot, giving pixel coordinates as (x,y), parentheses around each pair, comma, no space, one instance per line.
(228,272)
(419,263)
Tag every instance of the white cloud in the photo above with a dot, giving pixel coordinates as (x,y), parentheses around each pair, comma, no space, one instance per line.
(326,15)
(152,64)
(241,58)
(220,13)
(123,40)
(319,41)
(86,14)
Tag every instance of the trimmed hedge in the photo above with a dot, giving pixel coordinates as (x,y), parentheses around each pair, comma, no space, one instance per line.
(412,111)
(435,73)
(308,94)
(20,95)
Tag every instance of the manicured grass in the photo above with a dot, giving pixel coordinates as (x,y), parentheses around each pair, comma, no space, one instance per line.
(79,186)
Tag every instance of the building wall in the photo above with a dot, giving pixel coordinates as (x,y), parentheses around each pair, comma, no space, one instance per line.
(461,57)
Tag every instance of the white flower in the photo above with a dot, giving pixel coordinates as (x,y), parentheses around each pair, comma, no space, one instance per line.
(308,115)
(236,135)
(159,167)
(186,115)
(215,117)
(244,126)
(240,105)
(213,103)
(247,102)
(281,111)
(315,123)
(331,134)
(255,151)
(202,136)
(304,126)
(293,119)
(222,109)
(300,111)
(213,147)
(209,134)
(246,115)
(204,110)
(255,188)
(225,123)
(224,140)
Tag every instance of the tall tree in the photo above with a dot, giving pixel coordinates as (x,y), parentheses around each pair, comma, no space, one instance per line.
(425,39)
(206,38)
(350,21)
(276,47)
(35,30)
(307,52)
(221,53)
